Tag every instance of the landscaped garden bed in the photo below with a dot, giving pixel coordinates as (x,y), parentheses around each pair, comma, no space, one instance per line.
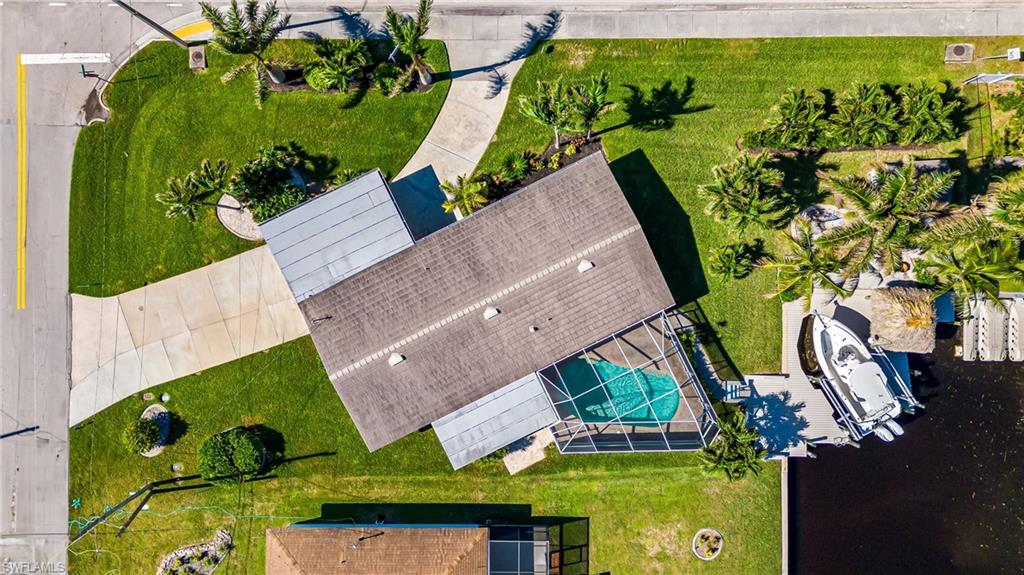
(165,120)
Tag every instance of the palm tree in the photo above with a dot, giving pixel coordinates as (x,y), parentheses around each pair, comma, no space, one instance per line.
(734,453)
(466,195)
(806,266)
(407,33)
(1006,209)
(734,261)
(550,107)
(591,102)
(797,123)
(927,115)
(745,192)
(976,270)
(247,32)
(865,116)
(184,197)
(341,62)
(889,213)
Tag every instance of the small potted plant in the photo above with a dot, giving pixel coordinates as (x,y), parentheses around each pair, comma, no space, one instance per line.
(707,544)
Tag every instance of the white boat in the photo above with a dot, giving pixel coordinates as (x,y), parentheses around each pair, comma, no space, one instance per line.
(856,384)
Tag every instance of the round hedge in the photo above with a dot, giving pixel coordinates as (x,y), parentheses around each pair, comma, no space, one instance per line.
(141,435)
(231,456)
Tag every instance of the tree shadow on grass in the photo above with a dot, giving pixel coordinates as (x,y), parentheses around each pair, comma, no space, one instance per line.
(657,109)
(274,444)
(316,166)
(802,175)
(178,428)
(665,224)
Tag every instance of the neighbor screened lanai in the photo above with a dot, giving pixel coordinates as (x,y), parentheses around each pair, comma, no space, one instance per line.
(634,391)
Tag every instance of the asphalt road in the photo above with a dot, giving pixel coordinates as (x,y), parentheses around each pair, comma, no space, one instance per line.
(34,342)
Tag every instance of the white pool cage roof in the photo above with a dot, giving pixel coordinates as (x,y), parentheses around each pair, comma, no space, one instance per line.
(633,391)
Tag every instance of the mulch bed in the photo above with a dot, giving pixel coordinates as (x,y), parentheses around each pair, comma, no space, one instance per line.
(591,146)
(823,150)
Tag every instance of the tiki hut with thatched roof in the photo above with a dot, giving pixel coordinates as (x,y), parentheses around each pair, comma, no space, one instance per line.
(903,319)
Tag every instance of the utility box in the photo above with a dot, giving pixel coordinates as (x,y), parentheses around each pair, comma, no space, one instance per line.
(197,57)
(959,53)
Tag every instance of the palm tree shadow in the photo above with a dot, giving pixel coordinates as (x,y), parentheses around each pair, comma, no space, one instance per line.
(777,417)
(355,25)
(665,224)
(657,109)
(802,174)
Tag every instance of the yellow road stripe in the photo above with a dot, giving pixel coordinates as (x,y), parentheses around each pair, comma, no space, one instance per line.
(23,185)
(193,29)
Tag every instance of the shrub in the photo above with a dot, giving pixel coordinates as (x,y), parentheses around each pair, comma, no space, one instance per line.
(734,261)
(265,183)
(141,435)
(928,116)
(865,115)
(320,78)
(234,455)
(735,452)
(515,167)
(797,123)
(747,192)
(555,161)
(287,198)
(391,80)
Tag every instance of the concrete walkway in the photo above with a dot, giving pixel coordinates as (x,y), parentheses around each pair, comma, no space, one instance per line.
(123,344)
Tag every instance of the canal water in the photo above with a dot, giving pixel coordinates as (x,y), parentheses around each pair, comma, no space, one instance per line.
(947,497)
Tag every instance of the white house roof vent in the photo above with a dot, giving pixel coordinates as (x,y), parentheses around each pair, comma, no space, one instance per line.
(491,312)
(584,266)
(395,359)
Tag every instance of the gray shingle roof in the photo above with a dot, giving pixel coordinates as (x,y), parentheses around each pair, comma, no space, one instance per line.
(519,255)
(324,240)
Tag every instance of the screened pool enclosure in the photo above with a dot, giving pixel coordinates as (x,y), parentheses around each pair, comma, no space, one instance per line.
(634,391)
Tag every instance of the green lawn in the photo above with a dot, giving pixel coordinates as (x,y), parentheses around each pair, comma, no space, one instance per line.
(734,84)
(642,509)
(165,120)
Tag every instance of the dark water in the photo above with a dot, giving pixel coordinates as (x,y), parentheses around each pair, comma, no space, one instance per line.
(947,497)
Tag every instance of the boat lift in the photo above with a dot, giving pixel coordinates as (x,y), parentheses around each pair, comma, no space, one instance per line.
(904,394)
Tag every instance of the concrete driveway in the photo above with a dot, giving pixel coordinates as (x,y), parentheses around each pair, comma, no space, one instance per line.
(123,344)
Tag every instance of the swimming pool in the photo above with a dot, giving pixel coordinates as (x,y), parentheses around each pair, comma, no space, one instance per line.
(627,394)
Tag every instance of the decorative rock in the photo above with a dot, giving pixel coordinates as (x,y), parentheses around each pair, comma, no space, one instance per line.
(176,467)
(165,398)
(147,396)
(217,548)
(237,219)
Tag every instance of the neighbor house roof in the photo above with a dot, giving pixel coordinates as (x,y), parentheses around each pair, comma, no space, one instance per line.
(523,257)
(374,551)
(324,240)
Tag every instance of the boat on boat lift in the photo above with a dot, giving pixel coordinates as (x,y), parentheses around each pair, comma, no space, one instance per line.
(866,399)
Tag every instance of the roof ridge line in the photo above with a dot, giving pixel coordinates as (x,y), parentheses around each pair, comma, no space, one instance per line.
(486,301)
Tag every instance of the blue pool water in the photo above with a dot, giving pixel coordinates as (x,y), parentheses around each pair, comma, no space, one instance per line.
(628,393)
